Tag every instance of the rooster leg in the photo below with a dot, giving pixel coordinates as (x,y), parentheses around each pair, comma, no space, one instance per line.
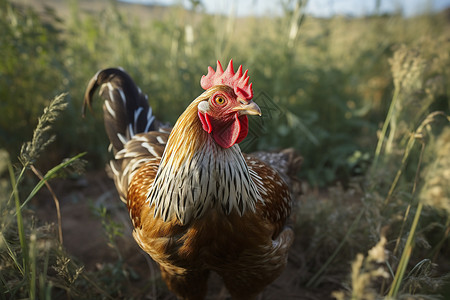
(252,272)
(187,286)
(240,289)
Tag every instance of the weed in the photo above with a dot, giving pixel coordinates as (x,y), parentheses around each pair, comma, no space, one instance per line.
(26,249)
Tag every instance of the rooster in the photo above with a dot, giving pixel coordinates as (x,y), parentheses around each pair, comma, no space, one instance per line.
(196,202)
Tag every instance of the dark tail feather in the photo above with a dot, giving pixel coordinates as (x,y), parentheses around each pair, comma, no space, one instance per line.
(126,109)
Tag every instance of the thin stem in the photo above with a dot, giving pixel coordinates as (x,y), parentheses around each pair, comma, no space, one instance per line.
(20,226)
(15,182)
(409,146)
(55,199)
(405,255)
(33,266)
(395,287)
(399,238)
(13,256)
(385,127)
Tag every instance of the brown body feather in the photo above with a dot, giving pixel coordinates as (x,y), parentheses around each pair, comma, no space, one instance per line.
(247,251)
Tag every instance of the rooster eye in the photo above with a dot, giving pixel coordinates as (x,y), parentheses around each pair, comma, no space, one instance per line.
(220,100)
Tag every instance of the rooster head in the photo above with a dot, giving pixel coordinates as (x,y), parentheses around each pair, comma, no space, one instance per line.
(224,113)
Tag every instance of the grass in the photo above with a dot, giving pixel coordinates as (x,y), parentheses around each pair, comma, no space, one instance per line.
(33,261)
(21,271)
(365,101)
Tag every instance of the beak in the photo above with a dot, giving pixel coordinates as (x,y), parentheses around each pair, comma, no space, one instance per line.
(249,108)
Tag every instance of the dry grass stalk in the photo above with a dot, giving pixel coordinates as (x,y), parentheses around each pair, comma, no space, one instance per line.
(436,190)
(366,272)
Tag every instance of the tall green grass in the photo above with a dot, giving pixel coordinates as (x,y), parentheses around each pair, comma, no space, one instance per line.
(329,78)
(33,261)
(25,262)
(405,149)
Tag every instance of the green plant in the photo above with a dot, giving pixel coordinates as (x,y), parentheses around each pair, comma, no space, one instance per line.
(331,96)
(400,210)
(25,264)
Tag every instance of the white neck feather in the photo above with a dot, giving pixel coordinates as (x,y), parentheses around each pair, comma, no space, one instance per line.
(213,178)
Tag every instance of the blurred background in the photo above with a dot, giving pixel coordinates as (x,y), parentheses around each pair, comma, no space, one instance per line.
(360,89)
(324,65)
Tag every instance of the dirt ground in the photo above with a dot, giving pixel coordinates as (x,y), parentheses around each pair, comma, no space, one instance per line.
(85,239)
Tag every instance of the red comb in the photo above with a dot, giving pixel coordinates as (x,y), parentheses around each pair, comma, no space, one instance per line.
(237,81)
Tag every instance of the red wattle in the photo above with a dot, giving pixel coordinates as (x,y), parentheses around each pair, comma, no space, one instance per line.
(228,133)
(243,120)
(205,122)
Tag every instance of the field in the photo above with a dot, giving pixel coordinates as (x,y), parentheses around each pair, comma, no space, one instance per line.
(364,101)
